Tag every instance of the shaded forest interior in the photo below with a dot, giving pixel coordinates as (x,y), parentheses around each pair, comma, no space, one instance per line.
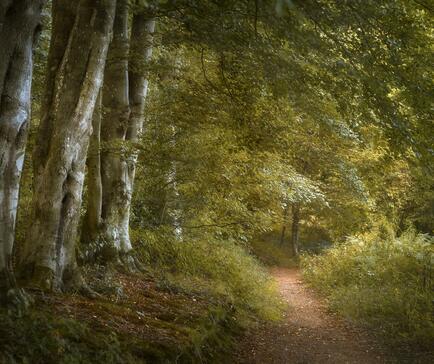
(156,157)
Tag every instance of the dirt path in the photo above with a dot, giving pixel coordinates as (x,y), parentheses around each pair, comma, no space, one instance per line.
(308,335)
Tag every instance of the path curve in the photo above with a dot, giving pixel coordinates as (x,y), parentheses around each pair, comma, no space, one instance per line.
(309,333)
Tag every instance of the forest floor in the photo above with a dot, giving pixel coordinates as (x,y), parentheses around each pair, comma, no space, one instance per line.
(309,333)
(136,318)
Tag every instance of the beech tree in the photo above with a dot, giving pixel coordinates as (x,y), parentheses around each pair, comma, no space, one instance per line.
(114,123)
(19,28)
(80,39)
(92,219)
(123,99)
(304,120)
(245,76)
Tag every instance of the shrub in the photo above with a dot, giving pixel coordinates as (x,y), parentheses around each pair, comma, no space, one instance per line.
(221,268)
(386,284)
(272,254)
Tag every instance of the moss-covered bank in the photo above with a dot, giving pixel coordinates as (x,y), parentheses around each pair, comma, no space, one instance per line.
(140,320)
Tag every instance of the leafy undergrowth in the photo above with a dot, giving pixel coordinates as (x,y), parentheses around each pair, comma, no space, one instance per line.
(189,307)
(138,319)
(220,268)
(386,284)
(273,254)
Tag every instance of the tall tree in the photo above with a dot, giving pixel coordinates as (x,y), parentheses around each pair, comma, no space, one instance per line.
(114,124)
(19,27)
(124,93)
(80,39)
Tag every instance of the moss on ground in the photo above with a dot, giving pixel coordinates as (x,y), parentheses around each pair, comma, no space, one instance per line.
(138,322)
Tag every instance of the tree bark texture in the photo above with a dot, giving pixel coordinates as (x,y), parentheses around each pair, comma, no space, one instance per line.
(116,113)
(81,32)
(124,93)
(92,219)
(19,26)
(142,33)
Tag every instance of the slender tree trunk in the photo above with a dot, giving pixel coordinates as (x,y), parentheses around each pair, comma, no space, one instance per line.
(19,26)
(92,219)
(295,231)
(124,93)
(142,31)
(75,71)
(114,173)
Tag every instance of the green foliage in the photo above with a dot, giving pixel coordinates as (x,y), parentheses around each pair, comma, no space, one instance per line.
(149,323)
(254,106)
(272,254)
(386,284)
(41,337)
(221,268)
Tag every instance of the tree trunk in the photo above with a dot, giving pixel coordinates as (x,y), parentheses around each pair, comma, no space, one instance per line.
(295,229)
(124,93)
(19,26)
(142,31)
(75,69)
(114,174)
(92,219)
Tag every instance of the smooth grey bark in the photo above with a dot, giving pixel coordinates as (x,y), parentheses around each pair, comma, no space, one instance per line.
(115,191)
(75,70)
(92,219)
(19,26)
(124,94)
(295,229)
(142,32)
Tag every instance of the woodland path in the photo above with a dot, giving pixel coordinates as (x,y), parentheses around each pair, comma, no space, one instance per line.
(309,333)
